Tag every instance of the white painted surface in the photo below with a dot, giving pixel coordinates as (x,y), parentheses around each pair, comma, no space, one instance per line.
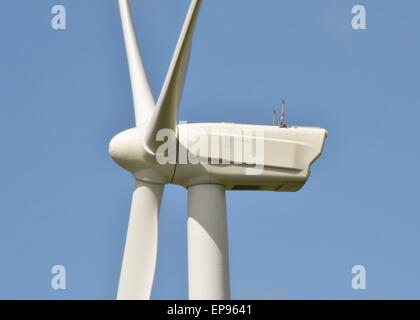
(208,258)
(139,262)
(166,114)
(144,102)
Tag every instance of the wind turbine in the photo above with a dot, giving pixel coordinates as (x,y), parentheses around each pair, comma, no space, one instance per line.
(229,157)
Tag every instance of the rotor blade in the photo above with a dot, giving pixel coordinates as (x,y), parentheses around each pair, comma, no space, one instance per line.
(140,253)
(166,114)
(144,103)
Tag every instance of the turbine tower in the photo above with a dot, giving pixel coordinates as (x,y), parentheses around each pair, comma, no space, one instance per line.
(205,158)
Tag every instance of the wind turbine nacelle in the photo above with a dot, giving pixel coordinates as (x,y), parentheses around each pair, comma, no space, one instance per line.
(240,157)
(248,157)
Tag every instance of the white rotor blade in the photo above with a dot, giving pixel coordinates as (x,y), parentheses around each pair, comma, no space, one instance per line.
(144,102)
(166,114)
(140,253)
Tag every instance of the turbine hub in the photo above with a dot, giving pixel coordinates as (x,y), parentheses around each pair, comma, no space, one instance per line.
(128,150)
(119,147)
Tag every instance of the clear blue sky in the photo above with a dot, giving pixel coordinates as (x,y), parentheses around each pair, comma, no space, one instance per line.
(65,94)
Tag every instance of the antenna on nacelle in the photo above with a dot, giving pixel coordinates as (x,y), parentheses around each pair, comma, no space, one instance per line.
(282,122)
(274,117)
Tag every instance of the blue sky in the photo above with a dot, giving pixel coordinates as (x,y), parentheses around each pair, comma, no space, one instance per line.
(66,93)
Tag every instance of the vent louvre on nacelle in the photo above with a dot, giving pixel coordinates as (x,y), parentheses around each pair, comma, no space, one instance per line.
(239,187)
